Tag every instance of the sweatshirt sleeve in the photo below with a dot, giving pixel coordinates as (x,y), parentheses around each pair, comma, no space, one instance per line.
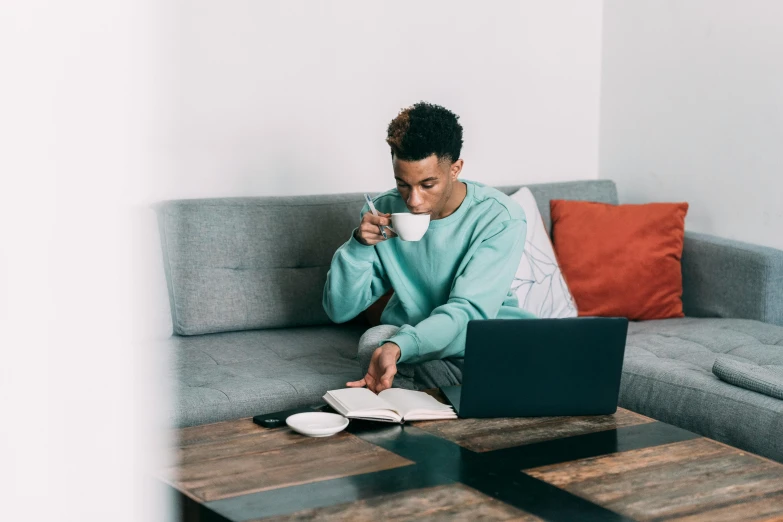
(355,280)
(476,293)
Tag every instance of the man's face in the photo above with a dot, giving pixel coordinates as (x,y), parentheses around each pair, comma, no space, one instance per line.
(426,185)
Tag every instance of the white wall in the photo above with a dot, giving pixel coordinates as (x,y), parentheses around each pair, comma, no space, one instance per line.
(692,110)
(280,97)
(78,97)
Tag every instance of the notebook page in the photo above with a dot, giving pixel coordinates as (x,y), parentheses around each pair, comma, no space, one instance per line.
(409,401)
(357,400)
(380,415)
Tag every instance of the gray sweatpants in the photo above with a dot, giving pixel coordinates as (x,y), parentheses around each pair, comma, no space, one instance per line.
(429,374)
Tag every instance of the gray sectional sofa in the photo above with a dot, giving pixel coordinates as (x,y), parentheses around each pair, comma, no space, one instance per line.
(246,275)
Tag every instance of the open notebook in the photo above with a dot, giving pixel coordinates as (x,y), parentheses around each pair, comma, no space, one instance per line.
(392,405)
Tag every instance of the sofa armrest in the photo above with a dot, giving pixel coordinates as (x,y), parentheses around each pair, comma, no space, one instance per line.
(727,278)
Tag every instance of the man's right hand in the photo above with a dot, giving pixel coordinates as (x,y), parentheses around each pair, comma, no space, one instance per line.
(383,368)
(369,232)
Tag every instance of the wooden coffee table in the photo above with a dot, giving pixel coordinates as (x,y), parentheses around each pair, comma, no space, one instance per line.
(615,467)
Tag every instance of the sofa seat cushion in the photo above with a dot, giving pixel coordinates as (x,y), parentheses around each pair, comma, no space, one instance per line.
(667,375)
(240,374)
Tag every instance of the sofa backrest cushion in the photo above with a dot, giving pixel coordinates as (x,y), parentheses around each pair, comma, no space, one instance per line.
(249,263)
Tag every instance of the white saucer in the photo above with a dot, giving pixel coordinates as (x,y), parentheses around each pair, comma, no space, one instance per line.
(317,424)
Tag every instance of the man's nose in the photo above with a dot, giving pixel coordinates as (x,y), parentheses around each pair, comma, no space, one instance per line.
(414,199)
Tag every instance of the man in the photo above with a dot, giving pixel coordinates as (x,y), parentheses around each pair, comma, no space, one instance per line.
(461,269)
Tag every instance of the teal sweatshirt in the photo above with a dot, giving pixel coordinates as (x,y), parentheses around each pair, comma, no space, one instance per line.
(461,269)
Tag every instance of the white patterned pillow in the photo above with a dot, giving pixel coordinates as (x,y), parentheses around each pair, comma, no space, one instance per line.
(539,283)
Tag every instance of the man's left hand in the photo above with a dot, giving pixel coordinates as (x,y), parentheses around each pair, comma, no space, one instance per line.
(383,368)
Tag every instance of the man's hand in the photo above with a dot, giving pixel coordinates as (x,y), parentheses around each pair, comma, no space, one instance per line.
(369,231)
(383,368)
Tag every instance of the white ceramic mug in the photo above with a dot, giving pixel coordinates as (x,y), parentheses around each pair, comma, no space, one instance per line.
(410,227)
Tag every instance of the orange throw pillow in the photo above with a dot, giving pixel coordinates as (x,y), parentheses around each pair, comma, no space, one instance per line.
(621,260)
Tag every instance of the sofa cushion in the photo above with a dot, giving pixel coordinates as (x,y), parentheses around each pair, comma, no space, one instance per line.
(621,260)
(243,263)
(667,375)
(240,374)
(538,282)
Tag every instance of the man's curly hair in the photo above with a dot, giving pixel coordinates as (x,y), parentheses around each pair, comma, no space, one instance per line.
(425,129)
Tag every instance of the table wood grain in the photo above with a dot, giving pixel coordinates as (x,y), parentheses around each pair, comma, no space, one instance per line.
(493,434)
(446,503)
(233,458)
(700,479)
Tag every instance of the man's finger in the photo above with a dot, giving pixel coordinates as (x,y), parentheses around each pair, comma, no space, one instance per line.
(371,382)
(388,377)
(356,384)
(372,241)
(374,234)
(383,385)
(380,220)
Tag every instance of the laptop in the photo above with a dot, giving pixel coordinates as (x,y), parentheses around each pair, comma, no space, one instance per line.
(540,367)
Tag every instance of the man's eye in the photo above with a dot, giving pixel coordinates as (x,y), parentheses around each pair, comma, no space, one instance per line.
(428,186)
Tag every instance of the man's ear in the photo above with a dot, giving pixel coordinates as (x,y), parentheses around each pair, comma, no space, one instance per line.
(456,168)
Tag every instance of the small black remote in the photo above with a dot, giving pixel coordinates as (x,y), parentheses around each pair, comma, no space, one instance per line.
(277,419)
